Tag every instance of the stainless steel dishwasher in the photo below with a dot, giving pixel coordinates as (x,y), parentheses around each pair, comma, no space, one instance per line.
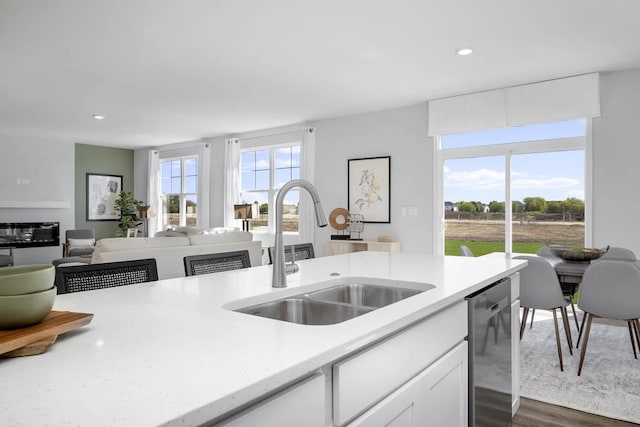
(490,355)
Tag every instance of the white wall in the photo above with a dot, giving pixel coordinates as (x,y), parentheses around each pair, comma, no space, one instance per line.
(616,162)
(48,165)
(400,133)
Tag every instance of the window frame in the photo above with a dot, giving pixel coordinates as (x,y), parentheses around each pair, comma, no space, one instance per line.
(508,150)
(182,194)
(272,191)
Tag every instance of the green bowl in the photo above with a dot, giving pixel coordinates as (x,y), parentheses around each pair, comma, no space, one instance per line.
(26,279)
(18,311)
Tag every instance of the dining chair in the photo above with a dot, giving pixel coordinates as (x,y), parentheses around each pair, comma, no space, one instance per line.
(87,277)
(540,289)
(301,251)
(616,252)
(619,299)
(213,263)
(465,251)
(619,254)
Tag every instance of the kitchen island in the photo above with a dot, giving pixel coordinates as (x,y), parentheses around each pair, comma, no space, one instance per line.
(171,352)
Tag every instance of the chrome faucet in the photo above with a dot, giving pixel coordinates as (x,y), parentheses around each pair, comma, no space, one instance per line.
(280,271)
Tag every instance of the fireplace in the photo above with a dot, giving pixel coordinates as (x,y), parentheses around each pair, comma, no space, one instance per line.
(29,234)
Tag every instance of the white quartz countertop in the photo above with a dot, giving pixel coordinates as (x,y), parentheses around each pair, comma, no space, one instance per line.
(168,352)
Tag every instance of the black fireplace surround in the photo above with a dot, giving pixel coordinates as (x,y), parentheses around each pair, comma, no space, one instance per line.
(29,234)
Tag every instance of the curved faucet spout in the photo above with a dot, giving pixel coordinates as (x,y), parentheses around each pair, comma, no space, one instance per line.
(279,279)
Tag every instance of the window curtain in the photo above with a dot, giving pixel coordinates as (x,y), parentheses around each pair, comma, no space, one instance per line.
(543,102)
(231,181)
(153,192)
(307,172)
(204,190)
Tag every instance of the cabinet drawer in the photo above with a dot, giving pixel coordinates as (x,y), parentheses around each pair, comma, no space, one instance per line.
(368,376)
(302,404)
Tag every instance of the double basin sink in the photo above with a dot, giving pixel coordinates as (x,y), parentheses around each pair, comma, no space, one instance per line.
(333,304)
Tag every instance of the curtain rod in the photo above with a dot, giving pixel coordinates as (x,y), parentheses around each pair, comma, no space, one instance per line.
(266,135)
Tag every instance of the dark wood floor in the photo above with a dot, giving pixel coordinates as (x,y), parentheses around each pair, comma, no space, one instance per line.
(533,413)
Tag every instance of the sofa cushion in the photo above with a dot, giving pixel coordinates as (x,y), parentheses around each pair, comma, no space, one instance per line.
(168,233)
(124,244)
(228,237)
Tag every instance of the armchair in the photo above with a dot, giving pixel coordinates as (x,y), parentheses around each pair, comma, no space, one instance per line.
(79,243)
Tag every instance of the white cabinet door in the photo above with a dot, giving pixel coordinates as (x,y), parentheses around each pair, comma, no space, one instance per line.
(445,394)
(302,404)
(400,409)
(437,396)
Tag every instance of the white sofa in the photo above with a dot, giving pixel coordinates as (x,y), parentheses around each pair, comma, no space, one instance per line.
(170,251)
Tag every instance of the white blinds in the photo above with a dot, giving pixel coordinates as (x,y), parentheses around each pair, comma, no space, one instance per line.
(553,100)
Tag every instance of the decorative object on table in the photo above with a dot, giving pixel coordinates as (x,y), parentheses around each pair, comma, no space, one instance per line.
(102,192)
(339,221)
(36,339)
(127,205)
(356,226)
(369,191)
(576,254)
(27,294)
(132,232)
(245,213)
(144,213)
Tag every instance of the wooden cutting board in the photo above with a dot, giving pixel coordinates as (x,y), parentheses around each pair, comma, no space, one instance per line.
(37,338)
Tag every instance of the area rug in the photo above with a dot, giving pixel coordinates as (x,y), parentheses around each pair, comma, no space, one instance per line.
(610,381)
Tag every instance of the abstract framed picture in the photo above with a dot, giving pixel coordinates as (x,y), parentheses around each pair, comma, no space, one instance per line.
(369,192)
(102,192)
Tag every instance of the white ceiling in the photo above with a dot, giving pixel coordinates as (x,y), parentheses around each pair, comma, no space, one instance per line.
(170,71)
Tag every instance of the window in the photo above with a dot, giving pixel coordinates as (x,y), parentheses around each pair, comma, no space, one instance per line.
(264,171)
(179,191)
(537,170)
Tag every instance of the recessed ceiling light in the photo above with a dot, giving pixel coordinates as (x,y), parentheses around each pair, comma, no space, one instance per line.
(98,116)
(463,51)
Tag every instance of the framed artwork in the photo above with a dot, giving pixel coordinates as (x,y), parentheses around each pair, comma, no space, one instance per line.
(369,192)
(102,192)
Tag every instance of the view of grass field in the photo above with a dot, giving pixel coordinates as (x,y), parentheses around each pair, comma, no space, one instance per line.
(484,237)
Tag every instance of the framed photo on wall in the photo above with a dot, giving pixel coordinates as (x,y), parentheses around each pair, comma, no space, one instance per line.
(369,192)
(102,192)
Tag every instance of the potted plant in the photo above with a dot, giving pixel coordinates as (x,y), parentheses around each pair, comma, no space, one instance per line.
(128,207)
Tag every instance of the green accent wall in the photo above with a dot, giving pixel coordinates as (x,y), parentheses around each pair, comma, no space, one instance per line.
(101,160)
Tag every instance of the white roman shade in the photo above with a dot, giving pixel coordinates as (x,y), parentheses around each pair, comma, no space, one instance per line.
(543,102)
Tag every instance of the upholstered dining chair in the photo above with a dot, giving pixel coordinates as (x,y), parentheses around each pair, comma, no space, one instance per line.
(616,252)
(87,277)
(7,260)
(568,290)
(301,251)
(465,251)
(540,289)
(618,299)
(213,263)
(619,254)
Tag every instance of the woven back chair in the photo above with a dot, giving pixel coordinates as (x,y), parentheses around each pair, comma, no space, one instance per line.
(78,278)
(213,263)
(301,251)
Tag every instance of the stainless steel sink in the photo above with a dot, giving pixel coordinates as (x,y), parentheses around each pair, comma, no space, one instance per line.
(363,294)
(305,311)
(331,302)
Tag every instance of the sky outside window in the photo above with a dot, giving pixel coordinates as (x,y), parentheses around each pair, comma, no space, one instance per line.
(553,175)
